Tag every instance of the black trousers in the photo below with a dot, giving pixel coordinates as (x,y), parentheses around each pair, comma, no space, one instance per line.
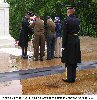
(24,51)
(71,72)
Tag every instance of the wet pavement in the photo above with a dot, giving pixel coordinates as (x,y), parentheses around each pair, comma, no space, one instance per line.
(45,71)
(18,76)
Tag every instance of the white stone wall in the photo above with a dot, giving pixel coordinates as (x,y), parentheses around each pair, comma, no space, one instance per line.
(1,1)
(4,21)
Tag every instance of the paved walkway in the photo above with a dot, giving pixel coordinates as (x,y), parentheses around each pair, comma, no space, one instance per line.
(31,73)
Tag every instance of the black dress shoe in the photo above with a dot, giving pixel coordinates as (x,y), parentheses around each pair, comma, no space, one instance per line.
(73,80)
(48,59)
(41,59)
(56,57)
(68,81)
(59,57)
(25,57)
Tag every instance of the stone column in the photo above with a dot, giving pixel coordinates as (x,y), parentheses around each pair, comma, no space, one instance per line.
(4,20)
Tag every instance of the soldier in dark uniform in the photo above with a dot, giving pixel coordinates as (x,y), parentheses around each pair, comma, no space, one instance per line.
(39,39)
(25,30)
(71,54)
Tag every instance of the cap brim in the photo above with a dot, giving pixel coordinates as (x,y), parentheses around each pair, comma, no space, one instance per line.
(70,7)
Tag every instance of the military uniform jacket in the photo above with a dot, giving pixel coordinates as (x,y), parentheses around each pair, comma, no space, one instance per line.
(71,41)
(50,27)
(39,27)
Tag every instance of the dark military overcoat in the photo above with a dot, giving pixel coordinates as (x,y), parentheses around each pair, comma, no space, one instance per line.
(71,41)
(23,39)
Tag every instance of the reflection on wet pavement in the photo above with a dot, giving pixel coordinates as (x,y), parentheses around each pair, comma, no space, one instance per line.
(30,64)
(7,62)
(37,72)
(11,88)
(31,73)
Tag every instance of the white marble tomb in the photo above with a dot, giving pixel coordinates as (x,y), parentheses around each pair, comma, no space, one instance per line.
(4,20)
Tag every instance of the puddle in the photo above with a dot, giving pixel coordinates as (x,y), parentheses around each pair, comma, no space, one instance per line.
(11,88)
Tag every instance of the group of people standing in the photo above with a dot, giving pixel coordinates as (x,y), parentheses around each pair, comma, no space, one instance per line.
(51,32)
(45,32)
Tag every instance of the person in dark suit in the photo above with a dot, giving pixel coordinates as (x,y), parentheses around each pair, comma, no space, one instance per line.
(71,54)
(24,32)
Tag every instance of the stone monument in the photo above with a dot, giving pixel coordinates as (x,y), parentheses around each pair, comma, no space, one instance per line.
(4,20)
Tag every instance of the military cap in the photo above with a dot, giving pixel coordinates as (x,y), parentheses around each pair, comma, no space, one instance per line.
(70,7)
(57,18)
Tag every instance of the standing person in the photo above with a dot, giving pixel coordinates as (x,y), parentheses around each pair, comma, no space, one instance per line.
(39,39)
(71,45)
(51,36)
(23,39)
(58,42)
